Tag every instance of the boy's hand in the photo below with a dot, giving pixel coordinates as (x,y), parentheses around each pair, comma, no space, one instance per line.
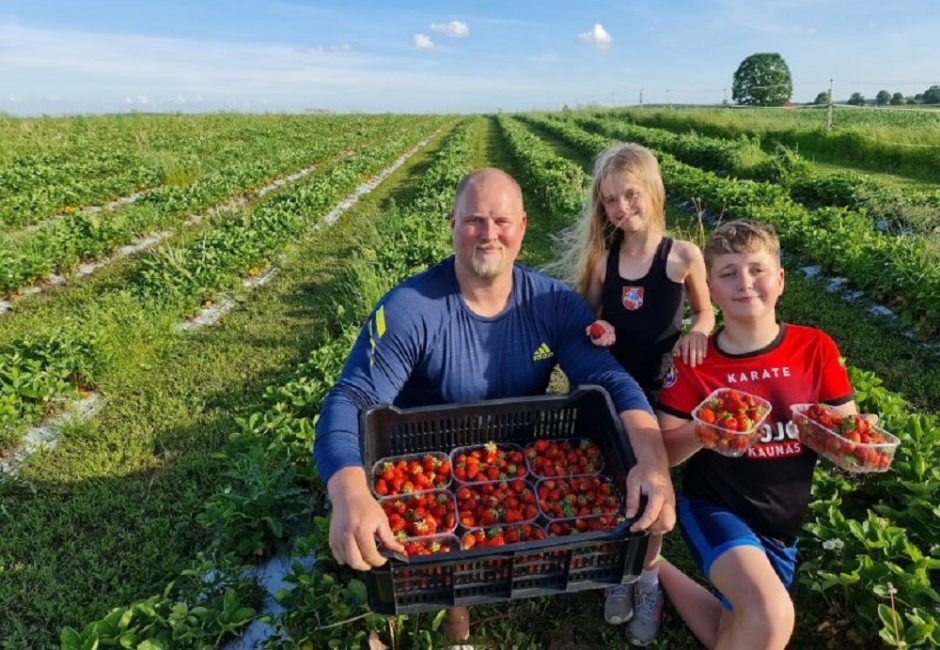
(692,348)
(601,333)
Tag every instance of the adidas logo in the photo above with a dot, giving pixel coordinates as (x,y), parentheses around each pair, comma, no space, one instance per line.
(542,353)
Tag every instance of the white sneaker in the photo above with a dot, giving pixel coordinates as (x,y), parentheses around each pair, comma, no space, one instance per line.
(647,614)
(618,608)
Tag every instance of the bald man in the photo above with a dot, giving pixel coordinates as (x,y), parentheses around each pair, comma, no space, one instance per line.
(475,326)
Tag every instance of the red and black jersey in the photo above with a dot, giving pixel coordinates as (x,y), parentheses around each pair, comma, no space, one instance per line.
(769,486)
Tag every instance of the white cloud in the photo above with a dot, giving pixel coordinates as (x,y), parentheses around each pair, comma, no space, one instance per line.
(598,37)
(453,29)
(422,42)
(324,49)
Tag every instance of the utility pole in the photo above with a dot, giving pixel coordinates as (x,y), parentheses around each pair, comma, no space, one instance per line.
(641,96)
(668,98)
(829,108)
(724,96)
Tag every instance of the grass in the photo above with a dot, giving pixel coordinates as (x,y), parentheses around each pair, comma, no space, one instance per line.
(108,516)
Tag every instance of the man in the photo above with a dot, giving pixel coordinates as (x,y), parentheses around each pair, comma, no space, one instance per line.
(476,326)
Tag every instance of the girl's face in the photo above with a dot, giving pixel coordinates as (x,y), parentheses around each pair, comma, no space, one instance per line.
(626,204)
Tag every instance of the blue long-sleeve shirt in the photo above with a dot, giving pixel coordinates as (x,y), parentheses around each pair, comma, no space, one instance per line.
(422,345)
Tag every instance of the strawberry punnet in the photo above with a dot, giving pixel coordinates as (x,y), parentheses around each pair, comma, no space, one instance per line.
(412,473)
(728,421)
(848,441)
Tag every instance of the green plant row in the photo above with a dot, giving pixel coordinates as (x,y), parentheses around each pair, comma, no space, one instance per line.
(219,257)
(264,501)
(898,207)
(60,245)
(557,183)
(901,142)
(181,277)
(894,270)
(35,372)
(905,499)
(59,165)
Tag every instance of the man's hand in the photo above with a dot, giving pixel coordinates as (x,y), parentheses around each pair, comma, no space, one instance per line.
(653,481)
(357,519)
(650,475)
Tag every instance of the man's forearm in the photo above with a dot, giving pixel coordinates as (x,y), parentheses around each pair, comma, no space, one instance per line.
(645,438)
(346,480)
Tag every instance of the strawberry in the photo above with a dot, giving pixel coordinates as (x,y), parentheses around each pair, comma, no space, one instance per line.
(596,330)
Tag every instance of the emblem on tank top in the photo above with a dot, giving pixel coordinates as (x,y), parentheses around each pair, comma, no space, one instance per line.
(632,298)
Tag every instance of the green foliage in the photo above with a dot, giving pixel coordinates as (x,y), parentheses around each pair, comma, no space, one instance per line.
(259,498)
(883,98)
(897,99)
(762,79)
(880,532)
(856,99)
(932,95)
(36,371)
(196,612)
(822,98)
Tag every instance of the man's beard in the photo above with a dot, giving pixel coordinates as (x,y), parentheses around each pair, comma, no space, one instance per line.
(488,266)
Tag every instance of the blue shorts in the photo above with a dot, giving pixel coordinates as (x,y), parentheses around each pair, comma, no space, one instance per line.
(710,530)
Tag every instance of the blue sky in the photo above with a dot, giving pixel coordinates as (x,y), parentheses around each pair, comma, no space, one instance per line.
(295,55)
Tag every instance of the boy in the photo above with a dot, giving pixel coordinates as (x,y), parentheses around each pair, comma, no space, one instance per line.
(741,516)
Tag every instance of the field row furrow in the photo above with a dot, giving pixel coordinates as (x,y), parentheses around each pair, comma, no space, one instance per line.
(61,246)
(59,360)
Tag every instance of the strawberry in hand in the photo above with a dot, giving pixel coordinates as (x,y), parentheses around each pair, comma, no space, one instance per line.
(601,333)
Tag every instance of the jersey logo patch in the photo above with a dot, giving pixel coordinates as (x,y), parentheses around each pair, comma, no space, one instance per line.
(669,380)
(376,331)
(632,298)
(542,353)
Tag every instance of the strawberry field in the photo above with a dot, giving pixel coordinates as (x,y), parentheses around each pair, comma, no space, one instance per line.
(144,523)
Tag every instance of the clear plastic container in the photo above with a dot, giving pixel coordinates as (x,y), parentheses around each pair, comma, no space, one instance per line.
(593,495)
(431,544)
(421,514)
(842,448)
(584,448)
(441,480)
(489,503)
(578,525)
(510,463)
(724,439)
(501,535)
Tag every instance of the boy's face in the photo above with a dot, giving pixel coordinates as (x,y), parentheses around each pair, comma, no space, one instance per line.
(746,286)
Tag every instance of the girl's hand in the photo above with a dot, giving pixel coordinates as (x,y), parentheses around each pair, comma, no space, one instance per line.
(692,348)
(601,333)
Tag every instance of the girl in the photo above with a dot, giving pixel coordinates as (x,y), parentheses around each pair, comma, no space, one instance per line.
(637,279)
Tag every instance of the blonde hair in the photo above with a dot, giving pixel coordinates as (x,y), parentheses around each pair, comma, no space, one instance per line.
(595,234)
(741,236)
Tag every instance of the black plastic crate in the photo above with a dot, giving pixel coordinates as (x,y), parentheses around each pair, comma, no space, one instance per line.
(555,565)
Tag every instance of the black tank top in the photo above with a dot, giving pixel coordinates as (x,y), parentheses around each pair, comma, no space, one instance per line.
(646,315)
